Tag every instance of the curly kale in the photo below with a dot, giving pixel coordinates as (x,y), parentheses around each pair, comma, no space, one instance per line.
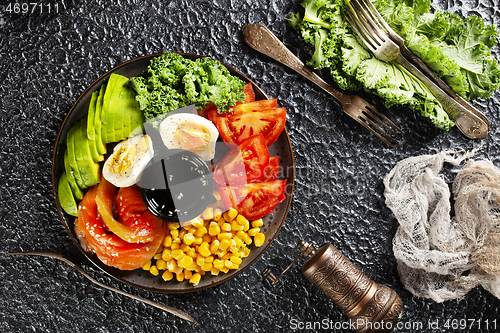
(172,81)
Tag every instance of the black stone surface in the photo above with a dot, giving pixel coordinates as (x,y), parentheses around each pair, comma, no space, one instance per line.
(46,62)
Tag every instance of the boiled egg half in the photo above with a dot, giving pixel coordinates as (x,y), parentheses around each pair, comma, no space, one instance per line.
(129,158)
(190,132)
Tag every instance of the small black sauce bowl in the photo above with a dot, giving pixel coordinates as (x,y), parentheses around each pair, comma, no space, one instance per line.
(177,185)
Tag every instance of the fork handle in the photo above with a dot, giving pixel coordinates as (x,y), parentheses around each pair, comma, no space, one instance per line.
(467,122)
(263,40)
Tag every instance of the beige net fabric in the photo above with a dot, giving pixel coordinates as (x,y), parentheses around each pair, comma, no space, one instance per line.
(438,256)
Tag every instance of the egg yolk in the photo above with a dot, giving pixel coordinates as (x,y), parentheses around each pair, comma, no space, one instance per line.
(192,136)
(125,156)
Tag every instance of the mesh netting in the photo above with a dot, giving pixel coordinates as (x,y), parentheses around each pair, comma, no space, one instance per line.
(439,256)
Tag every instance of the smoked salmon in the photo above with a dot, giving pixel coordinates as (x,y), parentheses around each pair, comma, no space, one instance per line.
(109,248)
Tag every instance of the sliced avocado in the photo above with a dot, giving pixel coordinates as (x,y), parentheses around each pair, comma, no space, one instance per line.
(66,199)
(70,144)
(89,170)
(128,116)
(91,116)
(107,118)
(101,147)
(77,192)
(96,157)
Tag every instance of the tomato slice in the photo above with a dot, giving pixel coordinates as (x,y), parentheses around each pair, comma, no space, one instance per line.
(254,200)
(244,163)
(238,127)
(256,106)
(272,170)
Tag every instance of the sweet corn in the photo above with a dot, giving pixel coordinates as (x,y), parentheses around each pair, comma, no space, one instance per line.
(188,274)
(217,214)
(235,226)
(214,246)
(172,265)
(232,213)
(225,227)
(167,276)
(167,254)
(185,261)
(201,231)
(180,276)
(207,238)
(257,223)
(154,270)
(227,217)
(157,256)
(224,235)
(147,266)
(259,239)
(207,266)
(224,269)
(176,254)
(175,246)
(173,225)
(185,248)
(188,239)
(241,219)
(174,233)
(208,213)
(168,241)
(235,260)
(197,222)
(254,231)
(218,263)
(182,232)
(225,243)
(195,279)
(215,271)
(204,250)
(213,229)
(217,195)
(161,264)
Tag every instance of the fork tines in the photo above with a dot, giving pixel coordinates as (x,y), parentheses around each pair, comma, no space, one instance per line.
(371,118)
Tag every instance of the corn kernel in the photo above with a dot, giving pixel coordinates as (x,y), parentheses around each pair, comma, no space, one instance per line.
(217,214)
(215,271)
(244,252)
(224,269)
(187,274)
(185,262)
(241,219)
(198,240)
(185,248)
(147,266)
(227,217)
(192,253)
(208,213)
(157,256)
(195,279)
(182,233)
(228,263)
(236,260)
(206,266)
(167,276)
(227,256)
(201,231)
(172,265)
(221,221)
(235,226)
(247,239)
(176,254)
(224,235)
(161,264)
(213,229)
(207,238)
(209,259)
(204,250)
(154,270)
(235,266)
(259,239)
(214,246)
(173,225)
(160,249)
(257,223)
(167,241)
(237,241)
(192,230)
(176,241)
(180,276)
(188,239)
(246,225)
(218,263)
(254,231)
(221,253)
(178,270)
(232,213)
(167,254)
(216,195)
(175,246)
(174,233)
(225,227)
(225,243)
(197,222)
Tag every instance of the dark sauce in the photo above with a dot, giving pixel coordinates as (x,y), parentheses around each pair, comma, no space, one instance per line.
(177,185)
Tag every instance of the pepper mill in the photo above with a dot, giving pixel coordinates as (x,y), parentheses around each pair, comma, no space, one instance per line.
(369,306)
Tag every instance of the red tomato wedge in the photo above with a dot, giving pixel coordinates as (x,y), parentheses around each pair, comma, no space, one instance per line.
(109,248)
(246,162)
(238,127)
(254,200)
(249,93)
(135,224)
(256,106)
(272,170)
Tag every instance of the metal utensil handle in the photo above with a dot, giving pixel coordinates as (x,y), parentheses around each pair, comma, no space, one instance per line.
(468,123)
(263,40)
(163,307)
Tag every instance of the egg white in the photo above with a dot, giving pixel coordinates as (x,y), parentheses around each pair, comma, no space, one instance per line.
(115,170)
(169,125)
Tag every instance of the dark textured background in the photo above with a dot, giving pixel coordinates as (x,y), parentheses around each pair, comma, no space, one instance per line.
(46,62)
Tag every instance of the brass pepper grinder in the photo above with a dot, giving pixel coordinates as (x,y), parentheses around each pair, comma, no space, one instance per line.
(369,306)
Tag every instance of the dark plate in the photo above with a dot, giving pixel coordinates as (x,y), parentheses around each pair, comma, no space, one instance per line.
(143,279)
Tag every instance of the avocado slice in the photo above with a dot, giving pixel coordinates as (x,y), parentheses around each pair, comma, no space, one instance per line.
(107,118)
(89,170)
(96,157)
(70,144)
(101,147)
(66,199)
(126,109)
(77,192)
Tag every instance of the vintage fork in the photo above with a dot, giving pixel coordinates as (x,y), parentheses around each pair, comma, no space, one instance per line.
(382,24)
(264,41)
(378,42)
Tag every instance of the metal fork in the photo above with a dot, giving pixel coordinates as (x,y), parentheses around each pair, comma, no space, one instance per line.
(382,24)
(264,41)
(379,42)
